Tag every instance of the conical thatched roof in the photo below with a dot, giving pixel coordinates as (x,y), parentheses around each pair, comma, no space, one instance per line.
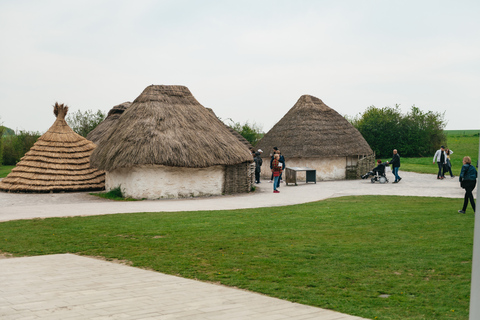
(235,132)
(312,129)
(167,126)
(58,161)
(102,128)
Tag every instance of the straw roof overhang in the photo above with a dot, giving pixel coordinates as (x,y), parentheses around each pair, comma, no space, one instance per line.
(58,161)
(311,129)
(167,126)
(96,134)
(234,132)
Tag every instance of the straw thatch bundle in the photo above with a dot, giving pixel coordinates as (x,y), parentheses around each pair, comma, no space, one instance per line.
(101,130)
(58,161)
(167,126)
(311,129)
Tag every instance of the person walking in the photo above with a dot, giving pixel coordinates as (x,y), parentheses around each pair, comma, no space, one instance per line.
(395,162)
(258,166)
(441,159)
(448,166)
(276,171)
(468,181)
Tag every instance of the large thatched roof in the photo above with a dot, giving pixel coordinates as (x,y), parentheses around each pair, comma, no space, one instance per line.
(103,127)
(167,126)
(312,129)
(58,161)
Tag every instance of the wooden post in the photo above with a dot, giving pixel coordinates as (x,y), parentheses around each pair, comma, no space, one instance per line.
(475,286)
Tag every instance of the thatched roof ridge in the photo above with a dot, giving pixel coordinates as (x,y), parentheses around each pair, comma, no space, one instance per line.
(166,125)
(101,130)
(58,161)
(311,129)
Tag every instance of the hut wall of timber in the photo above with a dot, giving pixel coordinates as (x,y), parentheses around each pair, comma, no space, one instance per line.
(239,178)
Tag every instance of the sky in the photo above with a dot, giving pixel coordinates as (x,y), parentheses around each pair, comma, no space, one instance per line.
(250,61)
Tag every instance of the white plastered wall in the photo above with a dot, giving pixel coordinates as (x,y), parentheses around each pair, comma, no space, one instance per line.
(331,168)
(156,182)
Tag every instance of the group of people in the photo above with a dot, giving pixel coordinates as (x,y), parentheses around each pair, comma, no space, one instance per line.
(467,178)
(442,158)
(277,165)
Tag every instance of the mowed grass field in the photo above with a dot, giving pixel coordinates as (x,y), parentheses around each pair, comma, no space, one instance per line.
(376,257)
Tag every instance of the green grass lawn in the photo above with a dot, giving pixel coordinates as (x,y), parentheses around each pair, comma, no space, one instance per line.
(339,254)
(5,170)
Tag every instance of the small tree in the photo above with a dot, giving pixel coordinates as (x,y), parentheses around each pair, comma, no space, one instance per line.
(84,122)
(251,132)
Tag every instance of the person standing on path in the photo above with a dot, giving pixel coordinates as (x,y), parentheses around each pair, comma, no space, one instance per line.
(276,171)
(448,166)
(468,181)
(395,162)
(441,159)
(258,166)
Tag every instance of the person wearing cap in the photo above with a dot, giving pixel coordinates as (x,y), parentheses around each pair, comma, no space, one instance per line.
(441,159)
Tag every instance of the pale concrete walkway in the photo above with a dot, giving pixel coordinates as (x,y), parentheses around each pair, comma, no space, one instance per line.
(72,287)
(26,206)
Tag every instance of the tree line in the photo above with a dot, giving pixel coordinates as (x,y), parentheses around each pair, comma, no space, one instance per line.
(415,134)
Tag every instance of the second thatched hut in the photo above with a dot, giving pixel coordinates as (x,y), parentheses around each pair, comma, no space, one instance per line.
(313,135)
(167,145)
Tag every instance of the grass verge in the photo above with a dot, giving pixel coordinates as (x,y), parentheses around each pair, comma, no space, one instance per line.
(339,254)
(5,170)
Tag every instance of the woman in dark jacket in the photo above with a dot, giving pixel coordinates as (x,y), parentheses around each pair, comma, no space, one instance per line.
(468,181)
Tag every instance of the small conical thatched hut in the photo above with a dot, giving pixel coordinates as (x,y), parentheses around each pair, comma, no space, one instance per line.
(313,135)
(167,145)
(58,161)
(101,130)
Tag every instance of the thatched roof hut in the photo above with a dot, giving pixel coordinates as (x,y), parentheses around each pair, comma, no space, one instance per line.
(101,130)
(312,130)
(165,128)
(58,161)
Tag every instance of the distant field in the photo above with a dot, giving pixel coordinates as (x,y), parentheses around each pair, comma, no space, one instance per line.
(462,132)
(461,142)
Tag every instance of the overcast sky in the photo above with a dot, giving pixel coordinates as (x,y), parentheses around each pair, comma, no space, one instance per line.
(247,60)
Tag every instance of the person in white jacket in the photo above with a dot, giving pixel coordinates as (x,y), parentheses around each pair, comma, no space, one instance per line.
(440,158)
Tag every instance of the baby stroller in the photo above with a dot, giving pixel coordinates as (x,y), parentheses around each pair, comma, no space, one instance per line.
(377,173)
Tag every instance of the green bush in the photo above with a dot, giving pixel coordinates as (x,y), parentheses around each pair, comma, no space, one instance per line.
(416,134)
(15,147)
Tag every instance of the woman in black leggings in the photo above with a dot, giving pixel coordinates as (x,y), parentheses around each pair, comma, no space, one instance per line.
(468,180)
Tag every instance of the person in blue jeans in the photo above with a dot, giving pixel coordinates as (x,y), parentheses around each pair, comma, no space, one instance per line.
(395,162)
